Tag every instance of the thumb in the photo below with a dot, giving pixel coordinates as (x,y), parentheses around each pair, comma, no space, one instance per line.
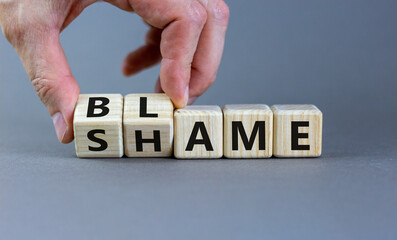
(50,74)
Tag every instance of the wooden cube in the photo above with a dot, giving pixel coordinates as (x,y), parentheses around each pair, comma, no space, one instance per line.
(248,131)
(98,125)
(148,125)
(198,132)
(297,131)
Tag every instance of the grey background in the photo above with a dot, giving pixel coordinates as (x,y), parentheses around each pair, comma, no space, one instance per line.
(339,55)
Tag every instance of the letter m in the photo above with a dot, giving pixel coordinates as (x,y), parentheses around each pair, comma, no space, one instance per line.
(259,128)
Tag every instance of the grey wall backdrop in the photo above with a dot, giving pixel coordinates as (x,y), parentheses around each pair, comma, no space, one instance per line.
(338,55)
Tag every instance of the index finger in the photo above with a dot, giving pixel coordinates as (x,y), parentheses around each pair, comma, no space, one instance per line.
(178,45)
(182,23)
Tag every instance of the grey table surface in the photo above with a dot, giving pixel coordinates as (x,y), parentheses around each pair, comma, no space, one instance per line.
(339,55)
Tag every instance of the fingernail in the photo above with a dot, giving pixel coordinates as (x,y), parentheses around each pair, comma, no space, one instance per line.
(187,95)
(60,125)
(191,100)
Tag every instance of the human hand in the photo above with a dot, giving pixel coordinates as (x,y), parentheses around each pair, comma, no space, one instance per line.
(187,36)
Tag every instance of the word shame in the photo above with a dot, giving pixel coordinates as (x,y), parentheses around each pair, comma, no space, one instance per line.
(147,125)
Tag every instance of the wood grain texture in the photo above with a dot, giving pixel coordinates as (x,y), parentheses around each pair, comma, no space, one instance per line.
(284,115)
(158,104)
(111,124)
(252,117)
(185,119)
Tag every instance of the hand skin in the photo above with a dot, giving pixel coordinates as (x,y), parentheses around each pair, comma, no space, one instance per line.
(187,36)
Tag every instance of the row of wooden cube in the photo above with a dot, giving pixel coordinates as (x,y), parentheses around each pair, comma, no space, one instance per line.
(147,125)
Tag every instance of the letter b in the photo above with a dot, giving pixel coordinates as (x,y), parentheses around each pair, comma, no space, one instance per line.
(92,105)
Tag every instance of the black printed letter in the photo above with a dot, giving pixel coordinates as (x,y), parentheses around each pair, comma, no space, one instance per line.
(156,140)
(193,137)
(295,135)
(259,126)
(102,106)
(143,108)
(103,143)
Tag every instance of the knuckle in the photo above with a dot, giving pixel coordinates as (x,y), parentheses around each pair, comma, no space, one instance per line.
(197,14)
(221,12)
(11,33)
(16,31)
(20,26)
(44,89)
(14,25)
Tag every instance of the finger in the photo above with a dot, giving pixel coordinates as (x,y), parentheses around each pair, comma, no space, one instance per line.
(178,45)
(47,67)
(209,50)
(145,56)
(182,23)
